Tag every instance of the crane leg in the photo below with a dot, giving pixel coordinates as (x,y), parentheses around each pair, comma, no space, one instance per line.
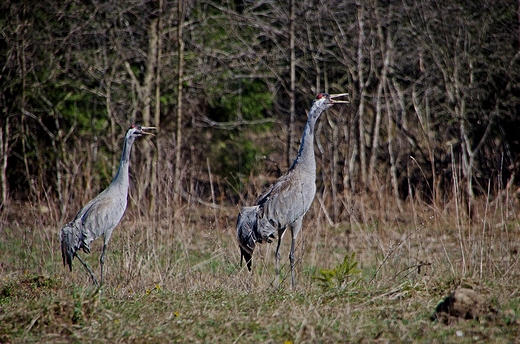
(88,269)
(102,262)
(295,229)
(277,256)
(291,258)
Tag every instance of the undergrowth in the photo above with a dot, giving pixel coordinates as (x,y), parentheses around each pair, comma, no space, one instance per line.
(341,276)
(359,281)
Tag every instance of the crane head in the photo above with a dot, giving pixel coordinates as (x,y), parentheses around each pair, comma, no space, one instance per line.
(329,100)
(324,101)
(137,130)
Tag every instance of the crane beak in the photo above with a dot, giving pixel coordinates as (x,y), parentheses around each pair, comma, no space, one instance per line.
(339,101)
(147,128)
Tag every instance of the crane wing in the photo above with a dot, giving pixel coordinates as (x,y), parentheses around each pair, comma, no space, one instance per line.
(100,216)
(285,202)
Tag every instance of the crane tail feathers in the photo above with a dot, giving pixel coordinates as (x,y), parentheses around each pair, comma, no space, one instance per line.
(69,244)
(246,234)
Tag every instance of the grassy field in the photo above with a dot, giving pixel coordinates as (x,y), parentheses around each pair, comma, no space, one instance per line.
(177,278)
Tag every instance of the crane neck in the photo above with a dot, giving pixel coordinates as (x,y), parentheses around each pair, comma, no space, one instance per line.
(305,159)
(121,179)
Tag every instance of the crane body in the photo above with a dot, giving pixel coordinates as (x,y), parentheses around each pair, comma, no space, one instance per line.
(102,214)
(285,203)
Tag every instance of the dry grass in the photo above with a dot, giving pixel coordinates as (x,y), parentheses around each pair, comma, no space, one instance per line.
(177,278)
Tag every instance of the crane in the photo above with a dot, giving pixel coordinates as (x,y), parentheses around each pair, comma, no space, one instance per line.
(101,215)
(286,201)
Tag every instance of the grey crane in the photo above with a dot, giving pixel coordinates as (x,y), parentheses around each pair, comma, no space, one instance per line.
(285,202)
(101,215)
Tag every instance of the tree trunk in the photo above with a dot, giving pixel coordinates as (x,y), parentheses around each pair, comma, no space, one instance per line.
(4,152)
(292,91)
(154,187)
(362,88)
(178,145)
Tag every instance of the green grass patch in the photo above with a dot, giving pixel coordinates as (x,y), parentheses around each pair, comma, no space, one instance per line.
(186,285)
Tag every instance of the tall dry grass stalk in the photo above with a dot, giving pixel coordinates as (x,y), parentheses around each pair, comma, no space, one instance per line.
(184,250)
(190,243)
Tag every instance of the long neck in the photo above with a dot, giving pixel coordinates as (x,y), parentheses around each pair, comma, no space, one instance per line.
(305,159)
(121,178)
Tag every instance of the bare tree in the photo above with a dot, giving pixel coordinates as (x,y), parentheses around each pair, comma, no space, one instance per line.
(4,152)
(180,76)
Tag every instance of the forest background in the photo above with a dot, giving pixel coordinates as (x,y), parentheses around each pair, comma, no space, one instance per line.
(434,91)
(431,132)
